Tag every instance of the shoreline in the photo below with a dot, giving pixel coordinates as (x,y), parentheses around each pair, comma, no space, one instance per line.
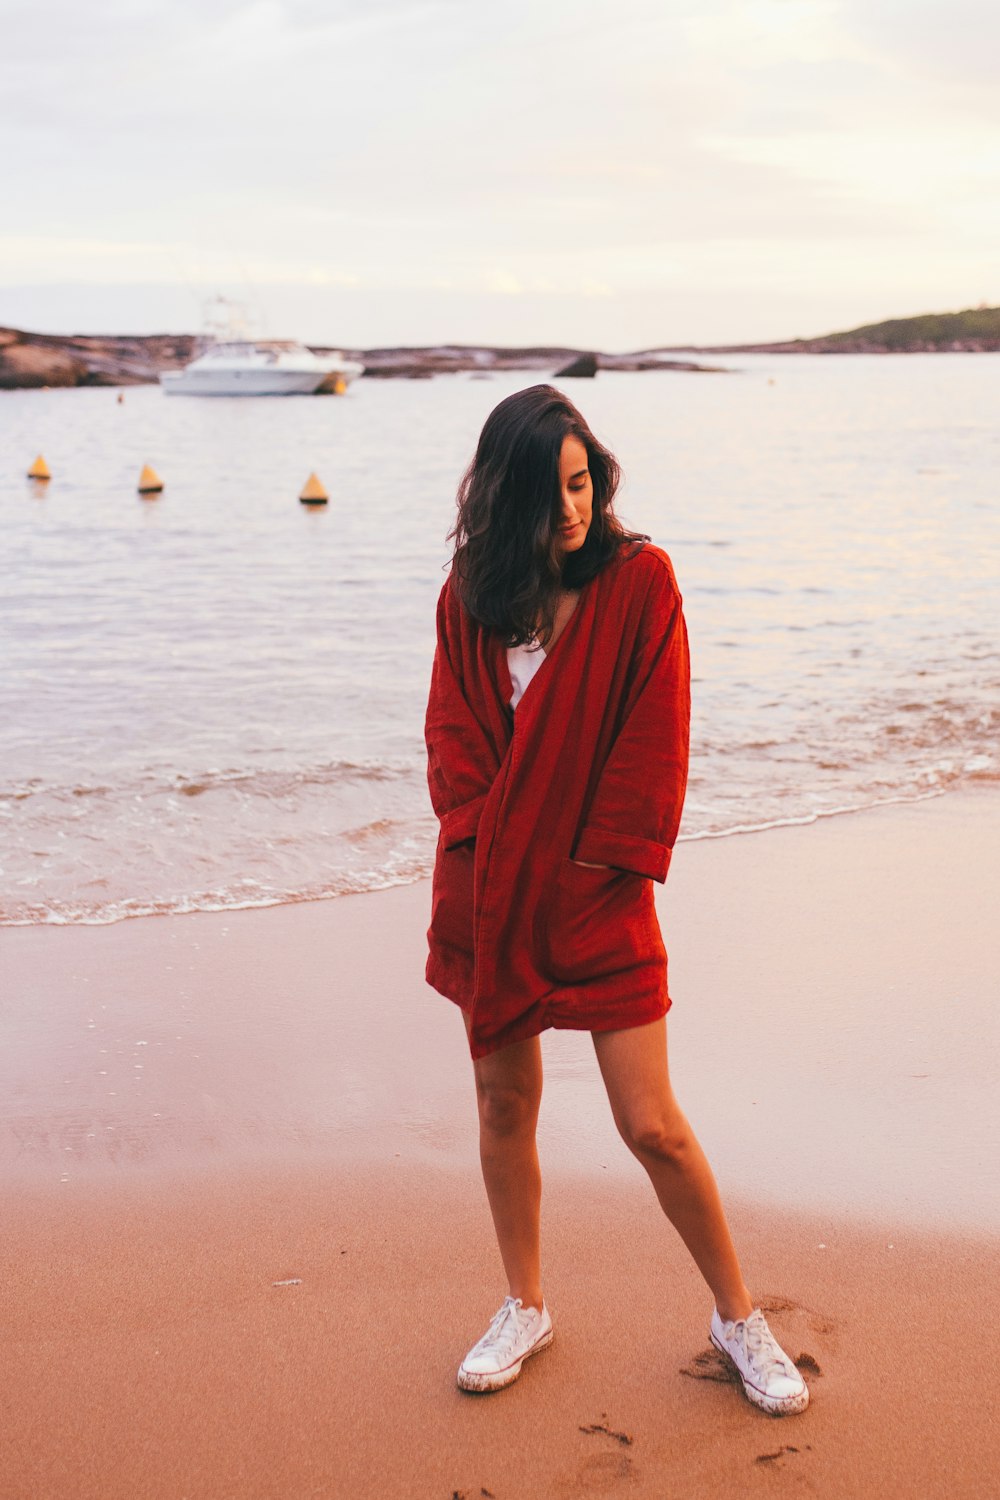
(248,1240)
(741,830)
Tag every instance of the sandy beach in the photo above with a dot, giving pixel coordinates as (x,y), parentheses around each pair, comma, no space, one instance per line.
(247,1242)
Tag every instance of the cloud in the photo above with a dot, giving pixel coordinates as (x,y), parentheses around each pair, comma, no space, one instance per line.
(539,148)
(503,282)
(950,49)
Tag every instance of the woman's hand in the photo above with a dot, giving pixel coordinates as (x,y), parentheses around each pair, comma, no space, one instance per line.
(588,866)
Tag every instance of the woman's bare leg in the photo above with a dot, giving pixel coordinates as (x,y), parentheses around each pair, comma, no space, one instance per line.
(509,1092)
(633,1065)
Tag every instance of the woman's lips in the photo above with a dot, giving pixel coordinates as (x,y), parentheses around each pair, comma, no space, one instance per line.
(567,529)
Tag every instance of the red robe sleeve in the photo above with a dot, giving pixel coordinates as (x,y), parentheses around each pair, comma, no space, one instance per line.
(635,812)
(461,762)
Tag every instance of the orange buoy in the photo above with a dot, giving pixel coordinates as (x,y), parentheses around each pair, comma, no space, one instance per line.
(150,482)
(39,469)
(339,386)
(313,492)
(121,397)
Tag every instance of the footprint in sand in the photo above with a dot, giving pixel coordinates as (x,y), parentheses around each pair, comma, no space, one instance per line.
(778,1459)
(625,1438)
(599,1470)
(799,1319)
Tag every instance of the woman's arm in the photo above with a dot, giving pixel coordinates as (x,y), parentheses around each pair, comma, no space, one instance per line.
(634,814)
(461,762)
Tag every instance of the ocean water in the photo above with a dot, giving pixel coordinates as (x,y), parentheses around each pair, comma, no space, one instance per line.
(215,698)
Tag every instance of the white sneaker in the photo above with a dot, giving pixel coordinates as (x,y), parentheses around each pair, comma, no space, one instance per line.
(769,1377)
(515,1332)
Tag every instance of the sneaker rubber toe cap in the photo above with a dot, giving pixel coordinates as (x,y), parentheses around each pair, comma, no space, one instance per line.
(784,1388)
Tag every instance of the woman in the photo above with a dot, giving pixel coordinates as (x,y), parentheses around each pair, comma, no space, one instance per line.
(557,742)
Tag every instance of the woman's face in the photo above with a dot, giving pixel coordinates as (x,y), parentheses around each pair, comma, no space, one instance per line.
(577,493)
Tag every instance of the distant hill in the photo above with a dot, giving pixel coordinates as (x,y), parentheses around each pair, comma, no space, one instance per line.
(975,331)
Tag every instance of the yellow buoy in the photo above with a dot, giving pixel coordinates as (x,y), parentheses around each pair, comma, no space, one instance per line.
(39,469)
(150,482)
(313,492)
(339,386)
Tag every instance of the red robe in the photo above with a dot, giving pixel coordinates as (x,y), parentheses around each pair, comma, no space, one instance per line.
(592,765)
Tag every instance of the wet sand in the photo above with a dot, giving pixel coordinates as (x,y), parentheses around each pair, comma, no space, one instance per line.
(247,1242)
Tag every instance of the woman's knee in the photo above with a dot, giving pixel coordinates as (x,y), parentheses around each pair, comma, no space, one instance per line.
(660,1136)
(507,1109)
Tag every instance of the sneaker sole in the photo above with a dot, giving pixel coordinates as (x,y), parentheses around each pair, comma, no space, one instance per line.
(775,1406)
(495,1380)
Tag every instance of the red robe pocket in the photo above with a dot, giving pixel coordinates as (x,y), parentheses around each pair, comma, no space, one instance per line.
(599,923)
(451,897)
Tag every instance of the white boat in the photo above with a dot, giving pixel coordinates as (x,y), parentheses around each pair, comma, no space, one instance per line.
(248,367)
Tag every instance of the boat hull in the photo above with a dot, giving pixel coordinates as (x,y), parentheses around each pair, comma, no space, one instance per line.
(241,382)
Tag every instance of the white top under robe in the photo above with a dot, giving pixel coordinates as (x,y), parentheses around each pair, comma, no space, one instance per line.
(522,663)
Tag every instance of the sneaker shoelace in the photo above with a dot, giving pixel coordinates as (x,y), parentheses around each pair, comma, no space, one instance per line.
(764,1353)
(504,1330)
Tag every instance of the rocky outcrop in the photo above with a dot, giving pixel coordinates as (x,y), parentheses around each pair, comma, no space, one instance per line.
(453,359)
(554,362)
(584,367)
(654,361)
(42,359)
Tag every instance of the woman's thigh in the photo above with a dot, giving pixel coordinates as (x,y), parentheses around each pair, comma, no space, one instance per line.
(636,1074)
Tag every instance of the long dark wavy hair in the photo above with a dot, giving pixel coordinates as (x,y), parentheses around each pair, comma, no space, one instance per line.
(508,566)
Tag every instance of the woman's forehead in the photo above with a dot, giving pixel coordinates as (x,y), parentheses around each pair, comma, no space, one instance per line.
(573,453)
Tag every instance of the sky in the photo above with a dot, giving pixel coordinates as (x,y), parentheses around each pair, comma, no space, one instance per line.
(617,175)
